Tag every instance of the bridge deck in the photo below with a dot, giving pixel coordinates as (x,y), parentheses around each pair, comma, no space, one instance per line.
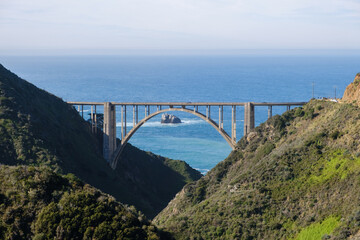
(192,103)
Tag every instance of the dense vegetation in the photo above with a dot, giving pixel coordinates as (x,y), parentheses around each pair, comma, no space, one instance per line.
(297,176)
(36,203)
(39,129)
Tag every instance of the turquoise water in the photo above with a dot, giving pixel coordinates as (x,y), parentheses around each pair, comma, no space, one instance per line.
(188,79)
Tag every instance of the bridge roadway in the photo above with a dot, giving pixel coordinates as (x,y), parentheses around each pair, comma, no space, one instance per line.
(112,152)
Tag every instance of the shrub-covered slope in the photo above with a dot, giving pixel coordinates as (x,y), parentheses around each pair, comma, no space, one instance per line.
(37,128)
(36,203)
(297,176)
(148,180)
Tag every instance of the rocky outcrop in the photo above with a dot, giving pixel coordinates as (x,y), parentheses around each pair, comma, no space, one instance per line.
(352,91)
(169,118)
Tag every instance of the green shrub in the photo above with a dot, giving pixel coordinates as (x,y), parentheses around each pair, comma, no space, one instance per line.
(299,112)
(309,114)
(265,149)
(319,107)
(336,134)
(200,192)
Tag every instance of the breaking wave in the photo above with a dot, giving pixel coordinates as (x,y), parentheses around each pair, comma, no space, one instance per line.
(159,124)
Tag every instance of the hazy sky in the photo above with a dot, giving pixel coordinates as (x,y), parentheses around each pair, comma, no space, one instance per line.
(106,25)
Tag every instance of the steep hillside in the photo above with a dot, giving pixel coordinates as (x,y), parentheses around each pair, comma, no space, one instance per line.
(352,92)
(39,129)
(150,181)
(297,176)
(36,203)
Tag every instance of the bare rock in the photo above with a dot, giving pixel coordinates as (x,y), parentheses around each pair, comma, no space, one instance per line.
(169,118)
(251,136)
(352,91)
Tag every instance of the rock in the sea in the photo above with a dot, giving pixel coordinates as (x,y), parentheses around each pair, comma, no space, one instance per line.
(352,92)
(169,118)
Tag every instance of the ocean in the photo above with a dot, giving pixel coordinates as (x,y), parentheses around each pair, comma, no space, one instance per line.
(240,78)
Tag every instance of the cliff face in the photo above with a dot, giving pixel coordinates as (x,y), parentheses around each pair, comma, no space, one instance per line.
(297,177)
(39,129)
(352,91)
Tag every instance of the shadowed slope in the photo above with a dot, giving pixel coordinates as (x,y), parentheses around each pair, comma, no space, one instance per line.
(36,203)
(38,128)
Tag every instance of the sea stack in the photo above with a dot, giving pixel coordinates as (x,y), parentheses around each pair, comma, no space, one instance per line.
(169,118)
(352,91)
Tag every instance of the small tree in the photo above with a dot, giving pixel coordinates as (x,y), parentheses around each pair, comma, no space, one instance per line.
(99,120)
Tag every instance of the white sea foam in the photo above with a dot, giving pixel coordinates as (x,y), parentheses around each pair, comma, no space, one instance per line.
(159,124)
(85,110)
(203,171)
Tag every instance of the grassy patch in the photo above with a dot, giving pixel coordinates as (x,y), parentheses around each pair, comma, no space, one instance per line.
(316,230)
(339,165)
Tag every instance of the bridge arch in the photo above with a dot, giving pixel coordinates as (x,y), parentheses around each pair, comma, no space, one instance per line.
(124,141)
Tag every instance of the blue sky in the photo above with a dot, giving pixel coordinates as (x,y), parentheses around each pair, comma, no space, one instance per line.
(94,26)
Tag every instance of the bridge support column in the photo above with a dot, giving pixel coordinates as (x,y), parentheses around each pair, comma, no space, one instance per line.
(137,114)
(109,137)
(269,112)
(221,117)
(95,120)
(249,118)
(123,122)
(233,125)
(147,110)
(133,116)
(92,119)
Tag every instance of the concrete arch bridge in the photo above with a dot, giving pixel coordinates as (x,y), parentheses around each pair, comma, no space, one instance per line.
(112,152)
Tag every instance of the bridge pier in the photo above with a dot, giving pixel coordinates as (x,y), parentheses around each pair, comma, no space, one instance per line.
(92,119)
(109,129)
(133,116)
(233,125)
(221,117)
(137,114)
(249,118)
(123,122)
(95,120)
